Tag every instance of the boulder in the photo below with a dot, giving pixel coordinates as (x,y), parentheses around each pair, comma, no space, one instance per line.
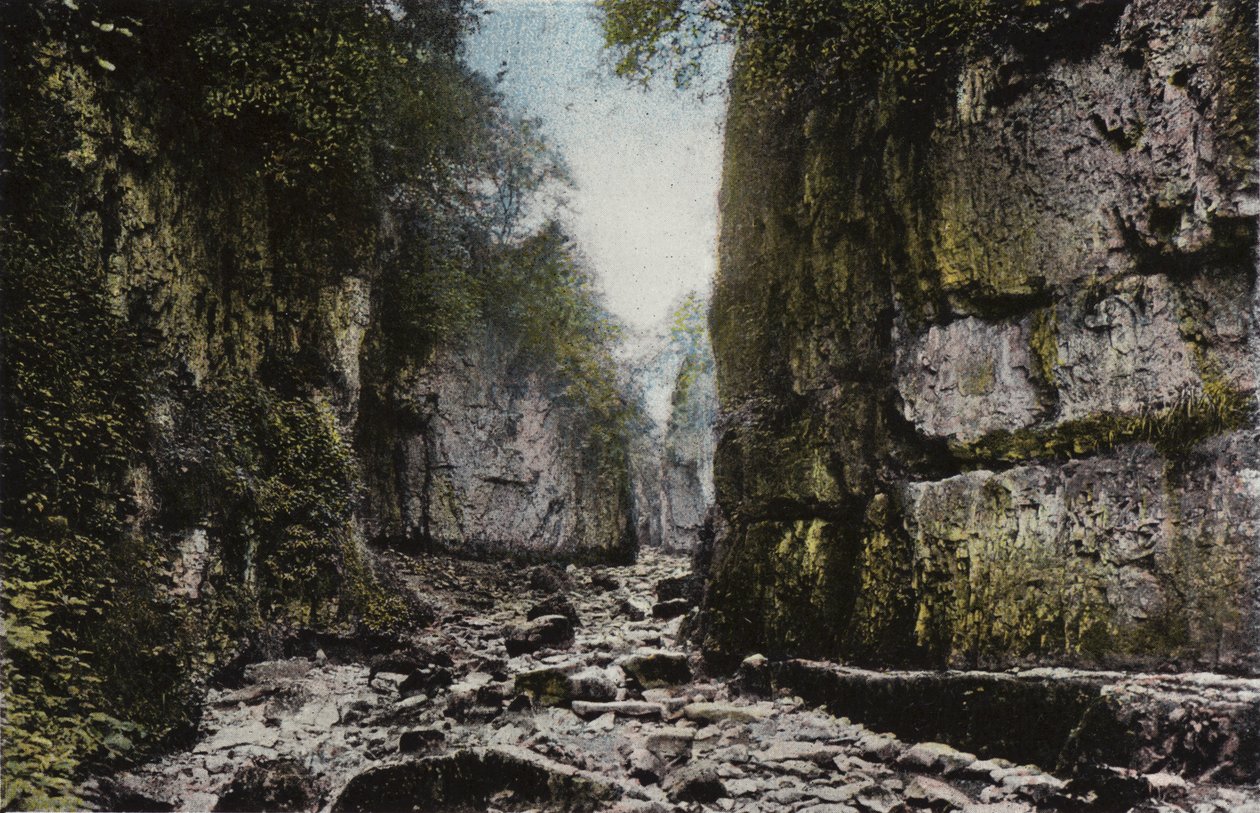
(931,793)
(672,608)
(622,708)
(555,604)
(548,631)
(676,587)
(547,578)
(695,782)
(271,785)
(548,686)
(720,712)
(753,677)
(652,670)
(592,684)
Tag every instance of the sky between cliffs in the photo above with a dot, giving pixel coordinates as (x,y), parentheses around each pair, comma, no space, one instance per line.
(646,163)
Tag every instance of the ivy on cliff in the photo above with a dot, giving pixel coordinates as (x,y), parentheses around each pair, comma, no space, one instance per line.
(355,131)
(335,110)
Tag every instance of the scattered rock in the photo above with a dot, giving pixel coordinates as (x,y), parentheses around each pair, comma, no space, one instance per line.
(935,757)
(694,782)
(473,777)
(876,799)
(629,609)
(548,686)
(592,684)
(813,752)
(602,581)
(753,677)
(670,743)
(548,631)
(622,708)
(555,604)
(580,712)
(718,712)
(925,791)
(1167,785)
(547,578)
(655,669)
(879,747)
(426,680)
(644,766)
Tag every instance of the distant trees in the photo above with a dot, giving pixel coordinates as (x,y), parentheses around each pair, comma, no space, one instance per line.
(786,44)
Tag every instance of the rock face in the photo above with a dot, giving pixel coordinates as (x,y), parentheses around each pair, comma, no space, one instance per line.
(672,453)
(496,465)
(266,361)
(687,453)
(987,369)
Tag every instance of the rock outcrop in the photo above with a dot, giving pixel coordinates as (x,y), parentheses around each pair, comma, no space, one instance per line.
(495,463)
(987,364)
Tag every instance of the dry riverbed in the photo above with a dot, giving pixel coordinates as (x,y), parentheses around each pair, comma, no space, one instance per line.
(550,689)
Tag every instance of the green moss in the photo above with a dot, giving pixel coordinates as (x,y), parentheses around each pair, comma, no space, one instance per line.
(367,602)
(987,595)
(548,687)
(1043,341)
(1238,101)
(1173,430)
(994,266)
(883,615)
(978,379)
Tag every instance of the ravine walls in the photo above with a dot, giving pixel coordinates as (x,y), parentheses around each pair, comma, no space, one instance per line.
(987,366)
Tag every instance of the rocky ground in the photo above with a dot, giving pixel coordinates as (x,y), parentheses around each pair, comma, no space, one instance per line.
(548,689)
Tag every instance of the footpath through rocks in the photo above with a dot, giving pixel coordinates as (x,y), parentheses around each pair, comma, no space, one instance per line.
(553,689)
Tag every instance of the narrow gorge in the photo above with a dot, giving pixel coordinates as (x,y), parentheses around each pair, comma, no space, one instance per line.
(374,440)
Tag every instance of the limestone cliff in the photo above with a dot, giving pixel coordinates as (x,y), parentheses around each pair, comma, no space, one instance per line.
(230,236)
(987,363)
(495,463)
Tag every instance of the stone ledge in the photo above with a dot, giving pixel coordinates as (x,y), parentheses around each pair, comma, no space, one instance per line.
(1202,726)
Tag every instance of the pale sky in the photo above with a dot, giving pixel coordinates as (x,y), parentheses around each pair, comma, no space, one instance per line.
(646,164)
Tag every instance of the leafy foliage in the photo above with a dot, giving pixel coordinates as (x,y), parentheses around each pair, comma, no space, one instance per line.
(689,333)
(76,583)
(365,144)
(827,44)
(331,109)
(546,295)
(281,479)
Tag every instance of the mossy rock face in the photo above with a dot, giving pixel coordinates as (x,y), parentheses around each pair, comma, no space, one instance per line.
(788,588)
(992,336)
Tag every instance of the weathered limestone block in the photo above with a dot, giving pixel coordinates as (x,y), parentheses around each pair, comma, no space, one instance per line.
(1110,555)
(1084,164)
(1057,274)
(968,378)
(1123,353)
